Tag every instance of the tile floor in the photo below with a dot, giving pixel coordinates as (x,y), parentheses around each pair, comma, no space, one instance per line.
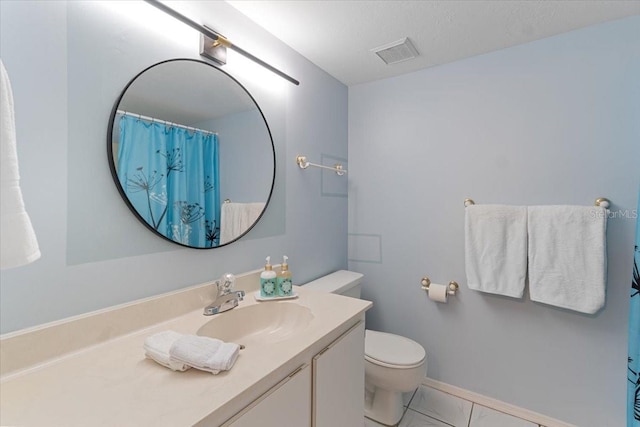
(428,407)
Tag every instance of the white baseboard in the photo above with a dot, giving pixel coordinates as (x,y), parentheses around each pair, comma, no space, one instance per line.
(496,404)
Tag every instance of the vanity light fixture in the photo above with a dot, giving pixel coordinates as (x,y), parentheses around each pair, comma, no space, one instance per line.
(216,50)
(216,40)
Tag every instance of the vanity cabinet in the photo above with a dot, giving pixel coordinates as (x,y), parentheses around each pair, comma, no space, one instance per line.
(312,376)
(338,381)
(328,392)
(288,403)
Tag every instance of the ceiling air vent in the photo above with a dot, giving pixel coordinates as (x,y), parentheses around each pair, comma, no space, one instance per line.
(398,51)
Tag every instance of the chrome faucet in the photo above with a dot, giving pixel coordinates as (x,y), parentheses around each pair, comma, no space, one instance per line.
(226,298)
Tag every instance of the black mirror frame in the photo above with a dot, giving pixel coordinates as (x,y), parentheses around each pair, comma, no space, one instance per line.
(114,173)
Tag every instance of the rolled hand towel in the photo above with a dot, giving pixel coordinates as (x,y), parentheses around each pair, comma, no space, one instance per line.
(157,348)
(203,353)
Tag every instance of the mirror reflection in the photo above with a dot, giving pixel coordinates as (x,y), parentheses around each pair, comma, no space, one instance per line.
(191,153)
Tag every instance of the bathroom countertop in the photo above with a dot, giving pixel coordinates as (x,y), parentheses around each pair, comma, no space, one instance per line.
(112,383)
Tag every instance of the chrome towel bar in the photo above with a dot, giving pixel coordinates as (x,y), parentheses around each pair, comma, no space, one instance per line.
(600,201)
(303,163)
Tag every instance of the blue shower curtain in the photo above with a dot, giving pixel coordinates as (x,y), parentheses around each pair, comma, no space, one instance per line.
(170,175)
(633,384)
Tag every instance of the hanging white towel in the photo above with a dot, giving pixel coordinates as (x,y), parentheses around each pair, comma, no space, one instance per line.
(568,256)
(157,348)
(236,218)
(204,353)
(19,245)
(496,249)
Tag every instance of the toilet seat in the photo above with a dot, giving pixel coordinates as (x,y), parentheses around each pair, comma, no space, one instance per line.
(392,351)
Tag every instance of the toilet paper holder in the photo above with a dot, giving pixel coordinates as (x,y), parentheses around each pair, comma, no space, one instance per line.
(452,289)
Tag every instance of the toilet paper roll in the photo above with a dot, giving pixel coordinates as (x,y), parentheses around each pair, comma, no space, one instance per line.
(438,292)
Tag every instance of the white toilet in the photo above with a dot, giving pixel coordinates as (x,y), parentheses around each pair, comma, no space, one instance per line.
(393,364)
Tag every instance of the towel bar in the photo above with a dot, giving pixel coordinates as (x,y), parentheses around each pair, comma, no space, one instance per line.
(600,201)
(303,163)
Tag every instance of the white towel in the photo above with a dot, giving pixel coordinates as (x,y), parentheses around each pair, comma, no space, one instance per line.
(568,256)
(157,348)
(18,243)
(204,353)
(236,218)
(496,249)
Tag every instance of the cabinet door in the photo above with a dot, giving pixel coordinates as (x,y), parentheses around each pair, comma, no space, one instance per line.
(338,381)
(288,403)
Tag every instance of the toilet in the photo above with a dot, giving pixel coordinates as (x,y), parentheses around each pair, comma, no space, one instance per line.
(393,364)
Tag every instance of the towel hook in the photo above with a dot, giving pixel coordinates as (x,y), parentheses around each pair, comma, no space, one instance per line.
(468,202)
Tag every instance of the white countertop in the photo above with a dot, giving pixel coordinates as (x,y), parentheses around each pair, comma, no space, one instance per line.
(113,384)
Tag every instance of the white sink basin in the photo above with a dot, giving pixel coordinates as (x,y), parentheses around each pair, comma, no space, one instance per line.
(262,323)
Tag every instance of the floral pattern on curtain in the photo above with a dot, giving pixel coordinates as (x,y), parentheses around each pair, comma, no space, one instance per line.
(170,176)
(633,384)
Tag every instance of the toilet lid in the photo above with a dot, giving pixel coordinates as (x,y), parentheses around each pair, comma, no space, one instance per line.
(392,349)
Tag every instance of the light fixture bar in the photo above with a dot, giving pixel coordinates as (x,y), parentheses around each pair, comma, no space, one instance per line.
(217,37)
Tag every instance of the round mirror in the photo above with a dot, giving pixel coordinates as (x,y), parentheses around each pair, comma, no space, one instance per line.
(191,153)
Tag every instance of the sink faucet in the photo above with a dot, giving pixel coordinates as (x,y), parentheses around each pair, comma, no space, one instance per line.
(226,298)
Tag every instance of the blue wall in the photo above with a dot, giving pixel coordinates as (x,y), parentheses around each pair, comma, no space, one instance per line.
(236,133)
(68,62)
(556,121)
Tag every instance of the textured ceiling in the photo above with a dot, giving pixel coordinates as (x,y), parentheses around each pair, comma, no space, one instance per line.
(338,36)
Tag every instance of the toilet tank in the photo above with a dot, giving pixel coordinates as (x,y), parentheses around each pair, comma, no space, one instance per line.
(343,282)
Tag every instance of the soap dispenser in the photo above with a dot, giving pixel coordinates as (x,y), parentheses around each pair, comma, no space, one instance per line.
(285,286)
(268,281)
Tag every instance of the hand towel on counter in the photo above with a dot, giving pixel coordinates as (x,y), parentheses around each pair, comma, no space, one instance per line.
(157,348)
(568,256)
(205,354)
(496,249)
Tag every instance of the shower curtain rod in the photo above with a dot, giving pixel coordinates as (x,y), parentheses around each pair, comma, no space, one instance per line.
(165,122)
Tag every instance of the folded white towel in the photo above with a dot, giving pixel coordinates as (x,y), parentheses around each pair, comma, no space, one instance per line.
(496,249)
(204,353)
(568,256)
(19,245)
(157,348)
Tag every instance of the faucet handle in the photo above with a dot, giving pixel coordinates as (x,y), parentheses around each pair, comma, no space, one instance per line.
(226,283)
